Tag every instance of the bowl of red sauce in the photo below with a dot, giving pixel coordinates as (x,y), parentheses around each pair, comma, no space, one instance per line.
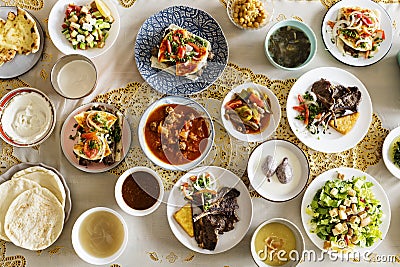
(176,133)
(139,191)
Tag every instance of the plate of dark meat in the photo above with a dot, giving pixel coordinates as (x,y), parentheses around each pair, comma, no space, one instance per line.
(329,109)
(95,137)
(209,210)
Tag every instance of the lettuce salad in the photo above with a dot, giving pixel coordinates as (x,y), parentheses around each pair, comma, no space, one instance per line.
(345,213)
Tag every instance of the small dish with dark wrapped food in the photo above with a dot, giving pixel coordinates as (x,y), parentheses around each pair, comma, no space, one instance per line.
(176,133)
(251,112)
(95,137)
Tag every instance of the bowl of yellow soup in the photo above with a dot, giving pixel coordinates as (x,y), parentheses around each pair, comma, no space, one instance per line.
(99,235)
(277,242)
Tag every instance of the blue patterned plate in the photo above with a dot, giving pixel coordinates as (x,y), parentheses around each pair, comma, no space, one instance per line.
(194,20)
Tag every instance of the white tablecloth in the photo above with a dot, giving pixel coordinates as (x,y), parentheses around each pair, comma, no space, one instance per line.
(151,242)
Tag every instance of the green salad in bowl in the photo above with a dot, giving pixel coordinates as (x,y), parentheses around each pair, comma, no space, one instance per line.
(346,211)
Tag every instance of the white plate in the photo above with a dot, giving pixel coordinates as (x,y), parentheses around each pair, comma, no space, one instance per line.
(56,19)
(14,169)
(386,25)
(67,143)
(227,240)
(274,121)
(275,190)
(387,153)
(332,141)
(21,64)
(319,182)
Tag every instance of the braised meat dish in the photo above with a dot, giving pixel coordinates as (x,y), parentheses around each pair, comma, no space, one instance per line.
(220,217)
(176,134)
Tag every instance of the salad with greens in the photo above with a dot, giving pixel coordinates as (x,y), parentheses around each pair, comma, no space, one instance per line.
(200,189)
(86,26)
(345,214)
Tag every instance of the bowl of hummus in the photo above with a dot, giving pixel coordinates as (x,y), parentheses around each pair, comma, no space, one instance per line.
(27,117)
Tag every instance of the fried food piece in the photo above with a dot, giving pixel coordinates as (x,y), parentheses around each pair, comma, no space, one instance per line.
(345,124)
(184,218)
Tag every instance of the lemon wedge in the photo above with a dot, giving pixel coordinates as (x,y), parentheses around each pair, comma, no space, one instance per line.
(103,8)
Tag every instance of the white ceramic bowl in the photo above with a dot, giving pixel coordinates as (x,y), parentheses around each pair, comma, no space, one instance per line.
(26,110)
(82,253)
(393,136)
(87,75)
(300,26)
(121,202)
(268,8)
(300,245)
(184,101)
(274,119)
(56,20)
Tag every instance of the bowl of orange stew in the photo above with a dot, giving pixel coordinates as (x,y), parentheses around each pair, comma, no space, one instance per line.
(176,133)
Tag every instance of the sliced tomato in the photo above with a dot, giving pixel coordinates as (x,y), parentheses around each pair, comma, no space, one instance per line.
(195,47)
(89,136)
(90,152)
(169,48)
(307,115)
(181,51)
(300,108)
(255,99)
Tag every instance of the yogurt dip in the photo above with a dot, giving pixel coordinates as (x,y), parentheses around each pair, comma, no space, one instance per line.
(27,117)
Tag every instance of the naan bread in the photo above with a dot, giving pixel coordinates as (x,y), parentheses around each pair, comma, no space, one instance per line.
(9,190)
(45,178)
(19,33)
(34,219)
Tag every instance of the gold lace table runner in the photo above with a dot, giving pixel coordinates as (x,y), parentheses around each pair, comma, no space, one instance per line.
(227,151)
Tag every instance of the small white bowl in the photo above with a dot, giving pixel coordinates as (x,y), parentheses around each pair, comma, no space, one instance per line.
(26,110)
(387,152)
(268,9)
(300,245)
(82,253)
(300,26)
(274,119)
(74,76)
(120,200)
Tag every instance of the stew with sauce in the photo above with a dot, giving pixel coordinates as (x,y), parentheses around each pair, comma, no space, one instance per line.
(176,134)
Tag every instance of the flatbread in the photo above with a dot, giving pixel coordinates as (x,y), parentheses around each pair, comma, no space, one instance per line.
(345,124)
(9,190)
(45,178)
(34,219)
(189,69)
(20,33)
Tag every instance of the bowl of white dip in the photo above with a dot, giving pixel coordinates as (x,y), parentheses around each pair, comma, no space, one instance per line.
(27,117)
(74,76)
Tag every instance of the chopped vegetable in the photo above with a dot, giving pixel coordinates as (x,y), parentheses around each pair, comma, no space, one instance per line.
(249,111)
(204,185)
(345,214)
(85,26)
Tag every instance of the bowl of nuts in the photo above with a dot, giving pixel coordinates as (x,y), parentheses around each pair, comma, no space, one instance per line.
(250,14)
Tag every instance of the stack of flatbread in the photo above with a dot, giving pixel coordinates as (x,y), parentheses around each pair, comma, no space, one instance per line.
(32,208)
(19,34)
